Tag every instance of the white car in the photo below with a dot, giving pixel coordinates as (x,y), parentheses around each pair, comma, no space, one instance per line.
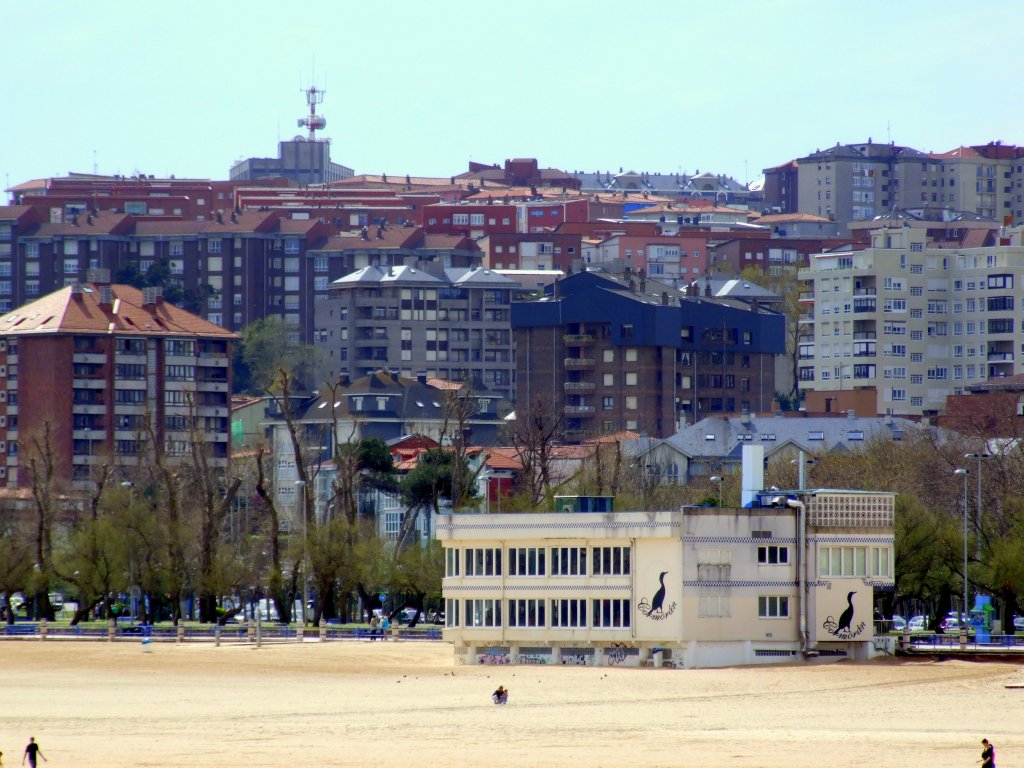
(917,624)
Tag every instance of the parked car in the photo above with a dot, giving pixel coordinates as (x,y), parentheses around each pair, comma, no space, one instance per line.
(898,624)
(1018,623)
(952,623)
(918,624)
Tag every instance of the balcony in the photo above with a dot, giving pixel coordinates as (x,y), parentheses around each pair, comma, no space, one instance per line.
(806,317)
(578,339)
(868,304)
(575,363)
(864,292)
(864,336)
(579,410)
(1000,357)
(579,386)
(806,295)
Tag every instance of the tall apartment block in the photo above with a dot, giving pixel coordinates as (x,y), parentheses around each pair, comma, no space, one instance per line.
(452,323)
(899,326)
(91,362)
(626,353)
(857,182)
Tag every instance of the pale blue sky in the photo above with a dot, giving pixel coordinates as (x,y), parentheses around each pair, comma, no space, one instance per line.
(423,87)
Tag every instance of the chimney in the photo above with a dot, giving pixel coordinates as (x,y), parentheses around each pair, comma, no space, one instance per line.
(343,379)
(851,414)
(707,287)
(664,298)
(421,377)
(753,473)
(220,217)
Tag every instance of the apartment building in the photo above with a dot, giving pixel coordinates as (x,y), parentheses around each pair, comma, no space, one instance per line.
(613,353)
(452,323)
(92,362)
(791,576)
(857,182)
(903,324)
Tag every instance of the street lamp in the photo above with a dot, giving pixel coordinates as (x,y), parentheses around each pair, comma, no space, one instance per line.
(301,484)
(977,513)
(718,479)
(133,592)
(965,473)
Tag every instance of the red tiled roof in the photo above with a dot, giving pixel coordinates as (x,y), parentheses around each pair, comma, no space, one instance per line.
(77,309)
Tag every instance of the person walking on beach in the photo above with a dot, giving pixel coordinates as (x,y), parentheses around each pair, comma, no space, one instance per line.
(31,751)
(988,755)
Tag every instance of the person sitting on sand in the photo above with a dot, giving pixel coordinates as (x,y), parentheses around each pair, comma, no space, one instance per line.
(500,696)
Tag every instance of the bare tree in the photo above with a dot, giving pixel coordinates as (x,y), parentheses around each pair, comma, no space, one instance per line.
(534,433)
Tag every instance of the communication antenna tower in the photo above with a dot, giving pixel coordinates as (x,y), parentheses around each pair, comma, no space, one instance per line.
(313,121)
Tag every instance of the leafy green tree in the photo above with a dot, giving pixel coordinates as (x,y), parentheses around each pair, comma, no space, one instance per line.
(269,349)
(436,478)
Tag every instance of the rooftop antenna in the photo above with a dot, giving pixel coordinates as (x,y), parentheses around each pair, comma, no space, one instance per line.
(94,166)
(313,121)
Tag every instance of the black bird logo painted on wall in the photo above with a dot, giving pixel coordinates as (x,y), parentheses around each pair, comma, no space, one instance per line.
(659,597)
(847,616)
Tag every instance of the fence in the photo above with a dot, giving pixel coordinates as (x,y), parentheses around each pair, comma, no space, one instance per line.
(230,633)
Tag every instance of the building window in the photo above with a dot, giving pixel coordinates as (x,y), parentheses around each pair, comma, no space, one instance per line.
(714,607)
(451,562)
(771,554)
(568,613)
(526,613)
(631,354)
(483,613)
(291,246)
(843,561)
(483,562)
(611,561)
(631,379)
(610,614)
(772,607)
(568,561)
(526,561)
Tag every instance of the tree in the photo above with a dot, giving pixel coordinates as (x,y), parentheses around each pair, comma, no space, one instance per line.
(535,432)
(438,476)
(786,286)
(269,348)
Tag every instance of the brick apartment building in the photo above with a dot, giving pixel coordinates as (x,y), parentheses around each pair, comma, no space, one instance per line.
(92,362)
(611,353)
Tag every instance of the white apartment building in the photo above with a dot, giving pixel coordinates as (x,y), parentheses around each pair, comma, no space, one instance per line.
(789,577)
(906,324)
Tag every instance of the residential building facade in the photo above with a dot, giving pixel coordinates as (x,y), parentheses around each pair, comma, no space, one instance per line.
(105,369)
(449,323)
(908,324)
(615,353)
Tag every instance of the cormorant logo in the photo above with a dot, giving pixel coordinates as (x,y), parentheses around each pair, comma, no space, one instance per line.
(656,608)
(844,628)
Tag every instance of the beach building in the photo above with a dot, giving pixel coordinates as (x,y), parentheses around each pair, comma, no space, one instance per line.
(790,576)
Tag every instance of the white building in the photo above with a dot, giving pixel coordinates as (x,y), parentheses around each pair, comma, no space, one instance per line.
(905,323)
(792,576)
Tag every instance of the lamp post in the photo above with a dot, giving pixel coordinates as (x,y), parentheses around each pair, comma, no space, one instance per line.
(965,473)
(301,484)
(977,510)
(132,589)
(718,479)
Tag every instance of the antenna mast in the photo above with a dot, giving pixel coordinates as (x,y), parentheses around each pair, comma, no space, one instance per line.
(313,121)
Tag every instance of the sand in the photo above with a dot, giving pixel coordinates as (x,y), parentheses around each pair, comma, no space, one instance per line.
(407,704)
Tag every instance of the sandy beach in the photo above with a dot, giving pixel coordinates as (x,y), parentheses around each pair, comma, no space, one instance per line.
(402,704)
